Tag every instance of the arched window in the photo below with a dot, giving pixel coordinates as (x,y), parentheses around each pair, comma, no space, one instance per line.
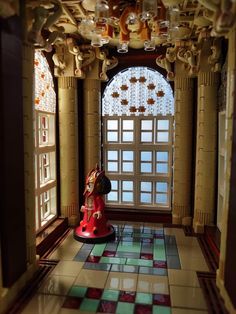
(45,143)
(137,113)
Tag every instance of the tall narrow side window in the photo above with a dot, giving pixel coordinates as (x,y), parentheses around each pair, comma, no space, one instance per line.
(45,143)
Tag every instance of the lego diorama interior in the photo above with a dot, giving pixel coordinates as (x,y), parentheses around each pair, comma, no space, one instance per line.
(118,160)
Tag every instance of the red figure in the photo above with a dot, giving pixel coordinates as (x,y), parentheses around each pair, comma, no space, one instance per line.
(94,227)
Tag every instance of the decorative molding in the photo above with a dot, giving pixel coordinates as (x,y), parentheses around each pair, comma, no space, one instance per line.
(208,78)
(67,82)
(184,83)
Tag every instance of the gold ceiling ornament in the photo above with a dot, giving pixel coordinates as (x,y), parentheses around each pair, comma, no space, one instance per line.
(160,93)
(133,80)
(124,102)
(115,95)
(151,86)
(132,109)
(142,79)
(124,87)
(141,109)
(151,101)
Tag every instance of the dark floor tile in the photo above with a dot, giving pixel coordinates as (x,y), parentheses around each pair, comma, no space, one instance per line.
(147,240)
(143,309)
(152,271)
(171,250)
(97,266)
(107,306)
(87,246)
(127,254)
(94,293)
(159,232)
(173,262)
(93,259)
(72,302)
(158,236)
(81,256)
(161,299)
(111,246)
(170,239)
(125,268)
(147,248)
(127,296)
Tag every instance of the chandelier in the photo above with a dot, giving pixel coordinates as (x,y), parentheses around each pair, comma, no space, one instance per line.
(145,19)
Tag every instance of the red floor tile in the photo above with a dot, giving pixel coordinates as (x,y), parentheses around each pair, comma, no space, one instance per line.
(72,302)
(127,296)
(94,293)
(161,299)
(93,259)
(143,309)
(107,306)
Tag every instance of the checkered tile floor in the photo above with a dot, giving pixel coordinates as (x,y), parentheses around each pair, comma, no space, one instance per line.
(146,269)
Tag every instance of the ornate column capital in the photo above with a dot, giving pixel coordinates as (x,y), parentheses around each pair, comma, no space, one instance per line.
(84,61)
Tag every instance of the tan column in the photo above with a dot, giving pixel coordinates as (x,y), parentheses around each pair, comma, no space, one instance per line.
(92,128)
(68,134)
(182,171)
(206,150)
(29,149)
(230,114)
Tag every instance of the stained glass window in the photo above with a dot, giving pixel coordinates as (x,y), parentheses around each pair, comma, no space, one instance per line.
(138,91)
(45,143)
(137,123)
(45,96)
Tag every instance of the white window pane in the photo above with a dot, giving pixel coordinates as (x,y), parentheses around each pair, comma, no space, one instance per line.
(146,167)
(128,155)
(163,124)
(127,166)
(127,136)
(112,196)
(145,198)
(162,168)
(127,185)
(146,156)
(128,124)
(146,186)
(161,186)
(146,137)
(112,136)
(112,166)
(127,196)
(114,184)
(112,155)
(112,124)
(162,156)
(162,136)
(161,198)
(146,124)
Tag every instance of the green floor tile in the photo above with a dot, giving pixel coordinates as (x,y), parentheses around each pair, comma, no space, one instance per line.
(159,242)
(111,295)
(125,308)
(157,309)
(89,305)
(112,260)
(134,247)
(98,249)
(139,262)
(159,254)
(77,291)
(144,298)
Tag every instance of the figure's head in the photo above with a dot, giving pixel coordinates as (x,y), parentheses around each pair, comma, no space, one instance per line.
(97,182)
